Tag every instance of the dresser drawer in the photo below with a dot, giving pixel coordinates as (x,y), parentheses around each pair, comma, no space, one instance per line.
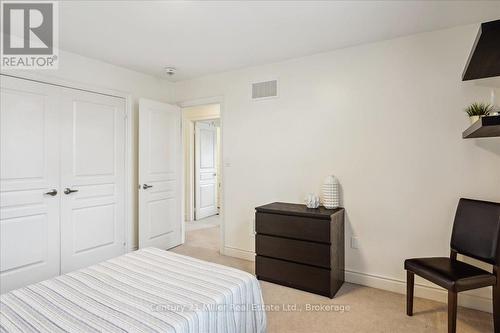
(293,275)
(304,252)
(298,227)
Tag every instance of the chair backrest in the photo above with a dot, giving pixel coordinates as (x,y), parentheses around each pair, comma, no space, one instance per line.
(476,230)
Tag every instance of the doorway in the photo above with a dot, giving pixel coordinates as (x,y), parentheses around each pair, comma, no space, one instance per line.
(202,170)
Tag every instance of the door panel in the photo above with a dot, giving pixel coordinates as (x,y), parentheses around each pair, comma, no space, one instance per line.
(159,174)
(159,223)
(29,167)
(205,169)
(23,115)
(92,163)
(94,126)
(94,227)
(162,140)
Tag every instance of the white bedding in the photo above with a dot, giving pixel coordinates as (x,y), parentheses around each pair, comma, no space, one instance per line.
(149,290)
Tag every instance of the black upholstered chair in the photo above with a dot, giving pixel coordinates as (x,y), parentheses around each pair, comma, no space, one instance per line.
(476,234)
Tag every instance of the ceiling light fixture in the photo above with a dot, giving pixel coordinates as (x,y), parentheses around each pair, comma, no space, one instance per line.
(170,70)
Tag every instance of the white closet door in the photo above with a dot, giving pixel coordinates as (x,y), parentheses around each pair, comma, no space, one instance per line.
(205,169)
(92,178)
(29,168)
(160,174)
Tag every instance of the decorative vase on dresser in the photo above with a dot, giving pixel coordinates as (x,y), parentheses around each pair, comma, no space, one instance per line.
(300,247)
(331,192)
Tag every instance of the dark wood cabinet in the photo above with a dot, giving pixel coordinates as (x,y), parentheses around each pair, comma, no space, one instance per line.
(299,247)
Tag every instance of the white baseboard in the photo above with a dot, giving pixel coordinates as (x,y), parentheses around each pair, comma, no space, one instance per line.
(238,253)
(423,291)
(393,285)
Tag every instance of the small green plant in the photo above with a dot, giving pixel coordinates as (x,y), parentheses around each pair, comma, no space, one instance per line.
(478,109)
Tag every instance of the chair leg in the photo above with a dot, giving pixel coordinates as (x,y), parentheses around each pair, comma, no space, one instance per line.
(496,306)
(452,312)
(410,283)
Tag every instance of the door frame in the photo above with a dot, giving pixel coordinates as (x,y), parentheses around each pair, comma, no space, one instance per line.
(190,127)
(130,184)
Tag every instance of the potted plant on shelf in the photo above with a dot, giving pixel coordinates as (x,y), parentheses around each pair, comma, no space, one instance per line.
(477,110)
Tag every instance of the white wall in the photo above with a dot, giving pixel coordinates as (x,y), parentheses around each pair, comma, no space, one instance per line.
(385,118)
(76,69)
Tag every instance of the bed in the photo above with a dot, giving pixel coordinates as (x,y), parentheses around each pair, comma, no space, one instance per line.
(149,290)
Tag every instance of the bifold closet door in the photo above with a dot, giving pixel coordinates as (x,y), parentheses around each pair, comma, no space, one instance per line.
(92,178)
(29,182)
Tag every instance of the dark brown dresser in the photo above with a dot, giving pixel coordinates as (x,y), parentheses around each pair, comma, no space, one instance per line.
(299,247)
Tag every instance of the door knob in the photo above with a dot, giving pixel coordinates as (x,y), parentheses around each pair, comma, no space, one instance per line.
(67,190)
(53,192)
(146,186)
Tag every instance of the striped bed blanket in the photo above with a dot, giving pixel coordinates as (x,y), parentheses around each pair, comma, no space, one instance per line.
(149,290)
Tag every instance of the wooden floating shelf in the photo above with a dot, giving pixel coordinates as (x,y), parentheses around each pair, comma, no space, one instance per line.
(483,128)
(484,59)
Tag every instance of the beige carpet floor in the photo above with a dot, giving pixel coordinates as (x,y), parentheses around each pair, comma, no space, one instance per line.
(207,222)
(355,308)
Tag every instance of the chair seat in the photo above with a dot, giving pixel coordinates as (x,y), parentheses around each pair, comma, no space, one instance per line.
(450,274)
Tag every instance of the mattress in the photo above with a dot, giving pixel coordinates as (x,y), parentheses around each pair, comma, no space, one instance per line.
(149,290)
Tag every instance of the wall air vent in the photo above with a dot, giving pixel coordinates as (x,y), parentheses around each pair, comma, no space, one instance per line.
(263,90)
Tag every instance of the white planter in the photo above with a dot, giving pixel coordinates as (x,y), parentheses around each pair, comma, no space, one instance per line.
(473,119)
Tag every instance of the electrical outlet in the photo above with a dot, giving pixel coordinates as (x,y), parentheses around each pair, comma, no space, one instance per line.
(252,226)
(354,243)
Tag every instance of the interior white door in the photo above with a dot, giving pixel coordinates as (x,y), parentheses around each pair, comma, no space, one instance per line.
(92,178)
(205,169)
(160,149)
(29,183)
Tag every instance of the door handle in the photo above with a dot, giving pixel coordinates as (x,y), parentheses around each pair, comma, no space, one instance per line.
(67,190)
(53,192)
(146,186)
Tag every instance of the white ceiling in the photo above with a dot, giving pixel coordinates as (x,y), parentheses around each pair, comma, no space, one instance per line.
(205,37)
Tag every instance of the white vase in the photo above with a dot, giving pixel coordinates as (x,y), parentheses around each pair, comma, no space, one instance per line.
(330,192)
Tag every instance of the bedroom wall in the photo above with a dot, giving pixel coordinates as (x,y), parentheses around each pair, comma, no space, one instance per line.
(385,118)
(76,69)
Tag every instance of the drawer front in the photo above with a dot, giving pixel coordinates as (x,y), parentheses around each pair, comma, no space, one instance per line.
(305,228)
(293,275)
(294,250)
